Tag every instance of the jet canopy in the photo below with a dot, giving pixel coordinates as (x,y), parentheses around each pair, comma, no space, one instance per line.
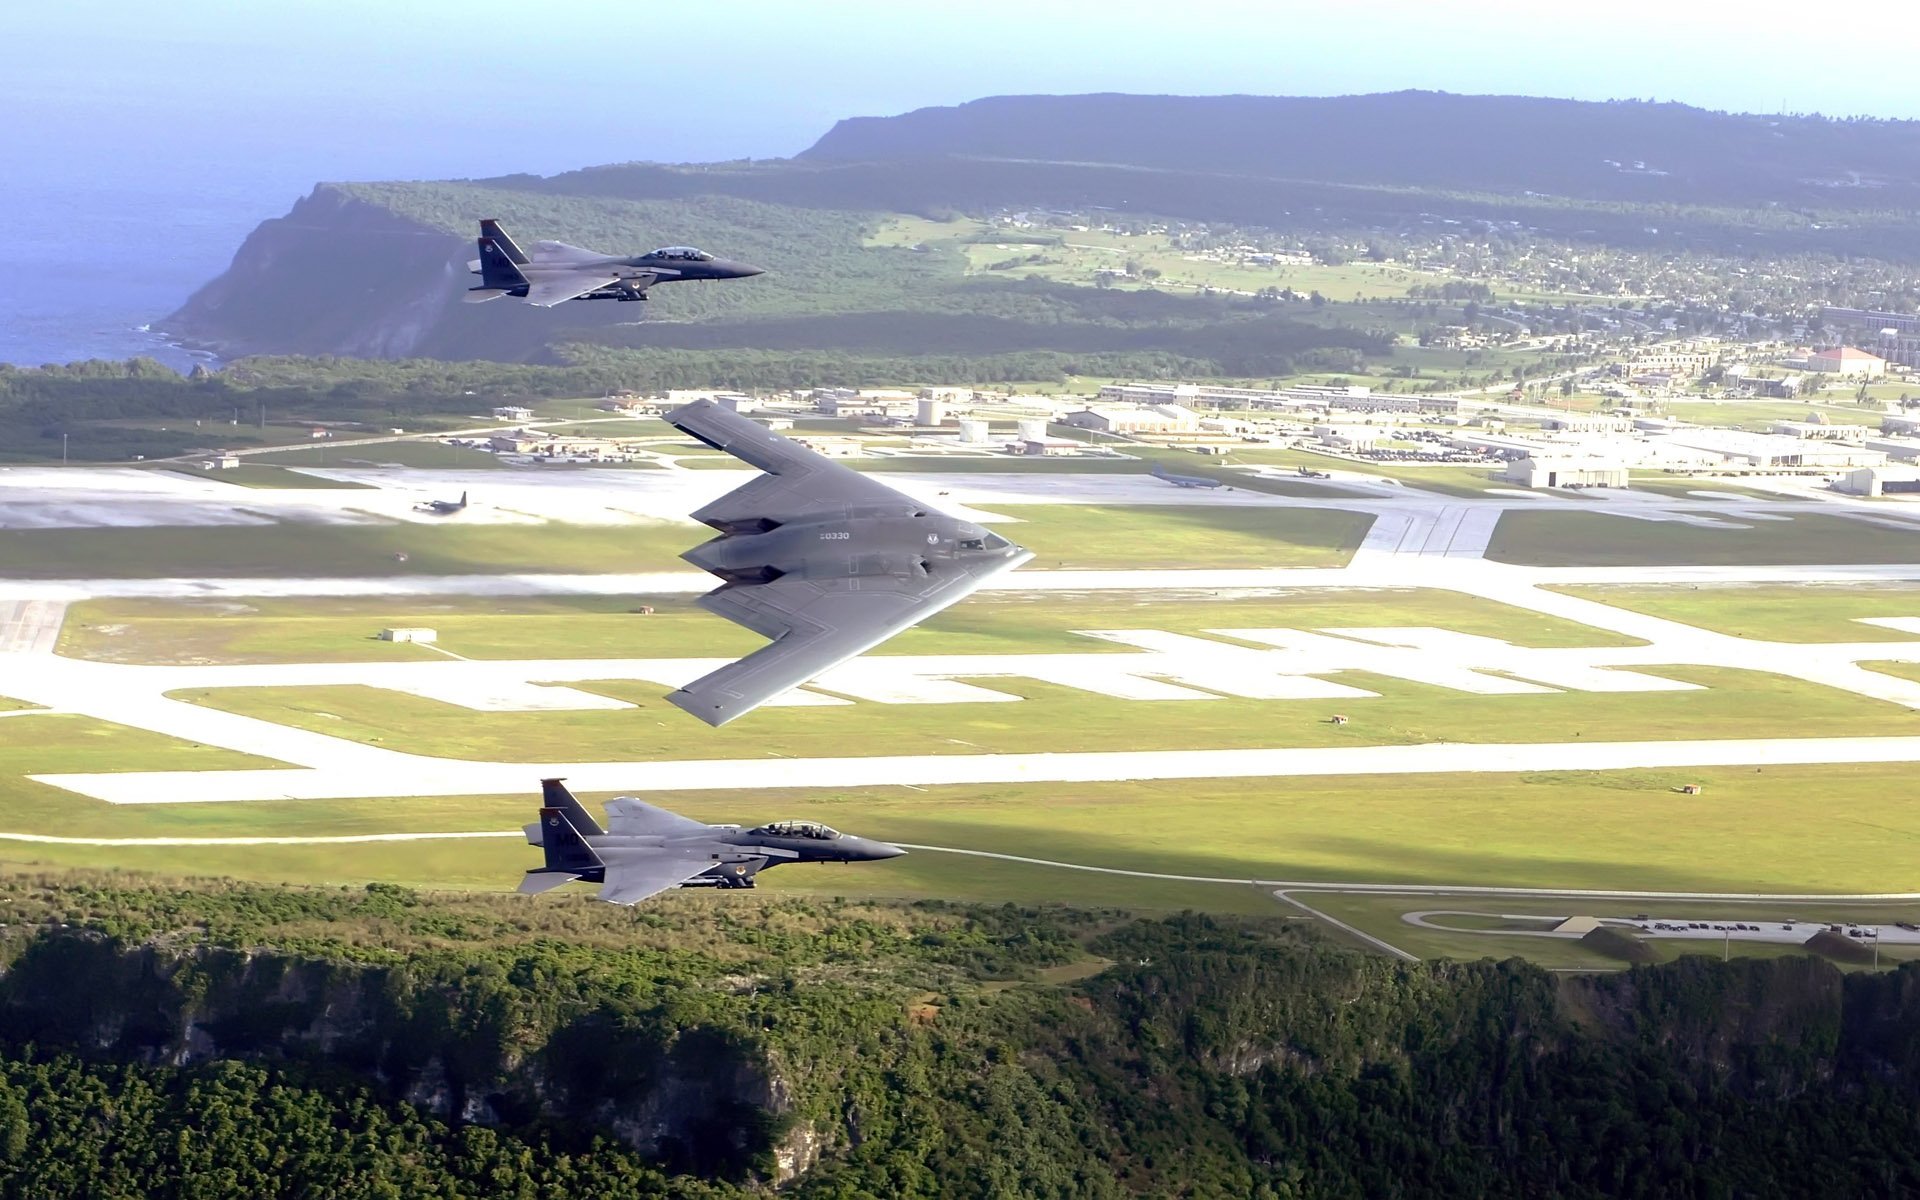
(986,541)
(800,829)
(681,254)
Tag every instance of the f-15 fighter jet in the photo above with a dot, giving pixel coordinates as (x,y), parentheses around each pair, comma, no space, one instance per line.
(644,850)
(555,271)
(825,561)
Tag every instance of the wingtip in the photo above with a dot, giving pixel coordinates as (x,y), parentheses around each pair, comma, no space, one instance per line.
(713,714)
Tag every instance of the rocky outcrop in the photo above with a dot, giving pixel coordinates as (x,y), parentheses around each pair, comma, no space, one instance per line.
(696,1099)
(336,275)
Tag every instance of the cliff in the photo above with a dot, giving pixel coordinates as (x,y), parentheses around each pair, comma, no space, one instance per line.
(716,1047)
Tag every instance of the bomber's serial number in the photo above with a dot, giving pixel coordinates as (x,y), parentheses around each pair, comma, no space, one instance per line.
(835,537)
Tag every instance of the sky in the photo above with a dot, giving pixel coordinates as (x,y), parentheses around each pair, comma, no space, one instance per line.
(381,88)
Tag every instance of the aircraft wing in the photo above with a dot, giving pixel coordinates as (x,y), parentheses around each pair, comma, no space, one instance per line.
(634,876)
(629,817)
(548,288)
(797,483)
(814,628)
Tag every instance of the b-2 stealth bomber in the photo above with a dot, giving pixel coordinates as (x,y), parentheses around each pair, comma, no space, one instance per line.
(825,561)
(644,850)
(556,272)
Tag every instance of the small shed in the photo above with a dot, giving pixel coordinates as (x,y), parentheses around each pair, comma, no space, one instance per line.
(409,635)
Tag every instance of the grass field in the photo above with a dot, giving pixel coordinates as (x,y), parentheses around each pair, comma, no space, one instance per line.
(1447,480)
(342,629)
(1064,535)
(409,453)
(1733,703)
(59,742)
(319,551)
(1807,612)
(1758,414)
(1684,486)
(1096,537)
(254,475)
(1581,539)
(1749,830)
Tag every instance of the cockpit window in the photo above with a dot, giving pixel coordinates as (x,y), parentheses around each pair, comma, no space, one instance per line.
(804,829)
(973,543)
(995,542)
(682,253)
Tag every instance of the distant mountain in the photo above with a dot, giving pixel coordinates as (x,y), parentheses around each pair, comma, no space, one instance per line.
(376,270)
(1618,150)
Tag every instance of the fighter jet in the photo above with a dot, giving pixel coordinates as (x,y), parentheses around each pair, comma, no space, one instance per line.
(644,850)
(555,271)
(1185,481)
(825,561)
(443,508)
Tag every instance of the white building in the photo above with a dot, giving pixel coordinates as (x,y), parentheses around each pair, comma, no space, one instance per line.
(1159,418)
(1770,451)
(973,431)
(1347,437)
(1880,481)
(834,447)
(1848,363)
(928,411)
(512,412)
(409,635)
(1567,472)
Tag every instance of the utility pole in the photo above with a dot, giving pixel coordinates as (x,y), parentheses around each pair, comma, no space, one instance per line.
(63,449)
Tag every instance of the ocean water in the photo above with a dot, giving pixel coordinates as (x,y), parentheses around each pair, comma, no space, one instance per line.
(113,224)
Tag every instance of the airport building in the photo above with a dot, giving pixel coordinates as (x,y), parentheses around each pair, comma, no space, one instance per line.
(1733,447)
(1567,472)
(1881,481)
(1159,418)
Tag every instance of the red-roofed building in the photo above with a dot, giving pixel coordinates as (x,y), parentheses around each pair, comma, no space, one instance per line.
(1848,363)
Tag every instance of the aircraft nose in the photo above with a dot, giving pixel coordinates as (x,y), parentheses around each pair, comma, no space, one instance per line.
(745,270)
(880,850)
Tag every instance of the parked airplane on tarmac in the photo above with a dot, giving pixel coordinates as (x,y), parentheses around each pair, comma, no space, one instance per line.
(556,272)
(644,850)
(443,508)
(1185,481)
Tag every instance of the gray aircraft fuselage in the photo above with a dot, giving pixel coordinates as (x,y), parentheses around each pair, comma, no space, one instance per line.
(897,543)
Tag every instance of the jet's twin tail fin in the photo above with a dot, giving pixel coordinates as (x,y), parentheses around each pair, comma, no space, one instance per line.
(491,231)
(554,794)
(566,850)
(498,272)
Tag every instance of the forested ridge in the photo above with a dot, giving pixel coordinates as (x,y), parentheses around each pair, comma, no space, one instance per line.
(166,1039)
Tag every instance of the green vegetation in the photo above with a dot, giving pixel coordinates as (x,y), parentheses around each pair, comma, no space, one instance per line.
(380,1042)
(1065,535)
(1686,486)
(54,742)
(413,453)
(1050,716)
(285,549)
(1805,612)
(1098,537)
(1583,539)
(251,475)
(335,629)
(1748,831)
